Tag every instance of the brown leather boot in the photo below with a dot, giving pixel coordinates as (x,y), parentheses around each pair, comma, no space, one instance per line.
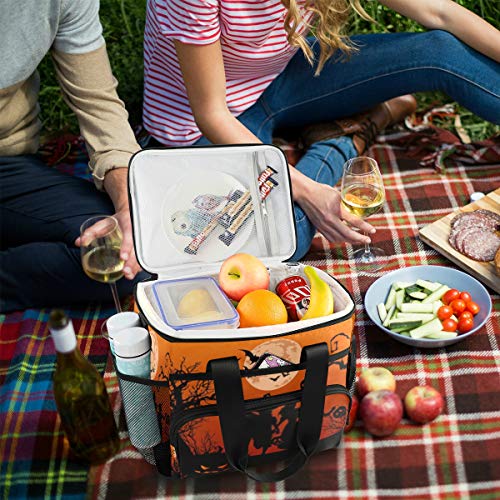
(364,127)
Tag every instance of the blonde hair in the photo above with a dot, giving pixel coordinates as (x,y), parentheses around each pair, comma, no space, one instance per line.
(331,17)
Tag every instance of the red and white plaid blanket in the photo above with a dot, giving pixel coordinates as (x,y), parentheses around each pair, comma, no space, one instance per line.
(457,456)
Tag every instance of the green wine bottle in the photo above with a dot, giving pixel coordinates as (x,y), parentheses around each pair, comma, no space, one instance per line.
(81,397)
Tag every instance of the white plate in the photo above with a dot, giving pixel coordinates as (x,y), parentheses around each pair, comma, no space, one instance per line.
(181,214)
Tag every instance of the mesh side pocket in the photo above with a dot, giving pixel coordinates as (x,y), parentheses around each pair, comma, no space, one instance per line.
(140,414)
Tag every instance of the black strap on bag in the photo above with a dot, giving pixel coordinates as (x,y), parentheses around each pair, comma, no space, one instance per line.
(231,410)
(351,365)
(162,458)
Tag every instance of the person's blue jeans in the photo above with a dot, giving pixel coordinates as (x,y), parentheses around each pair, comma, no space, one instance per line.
(41,211)
(385,66)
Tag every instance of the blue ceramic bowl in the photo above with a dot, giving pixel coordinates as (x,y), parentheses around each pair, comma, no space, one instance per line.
(379,290)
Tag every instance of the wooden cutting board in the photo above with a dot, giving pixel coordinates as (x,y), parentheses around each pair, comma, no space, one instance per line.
(436,236)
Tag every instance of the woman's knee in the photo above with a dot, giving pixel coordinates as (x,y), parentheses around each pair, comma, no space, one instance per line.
(442,38)
(464,74)
(444,49)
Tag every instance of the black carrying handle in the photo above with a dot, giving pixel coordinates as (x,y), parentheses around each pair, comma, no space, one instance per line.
(231,411)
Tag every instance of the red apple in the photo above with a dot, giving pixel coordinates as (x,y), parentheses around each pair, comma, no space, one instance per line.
(242,273)
(381,412)
(375,379)
(352,414)
(423,404)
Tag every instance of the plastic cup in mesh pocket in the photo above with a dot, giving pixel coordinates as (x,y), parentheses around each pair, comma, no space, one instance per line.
(117,322)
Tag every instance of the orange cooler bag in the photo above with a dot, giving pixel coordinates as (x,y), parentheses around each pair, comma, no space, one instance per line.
(234,398)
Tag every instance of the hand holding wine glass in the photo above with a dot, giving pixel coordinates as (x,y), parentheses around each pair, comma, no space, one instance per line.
(363,194)
(101,239)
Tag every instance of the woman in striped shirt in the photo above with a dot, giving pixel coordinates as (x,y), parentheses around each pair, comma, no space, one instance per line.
(232,71)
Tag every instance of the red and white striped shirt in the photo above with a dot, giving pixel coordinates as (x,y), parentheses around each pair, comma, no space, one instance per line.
(254,49)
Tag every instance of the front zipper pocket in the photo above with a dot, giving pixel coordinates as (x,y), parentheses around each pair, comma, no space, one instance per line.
(198,446)
(196,389)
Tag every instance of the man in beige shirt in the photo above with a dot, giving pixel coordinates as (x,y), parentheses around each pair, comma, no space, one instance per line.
(41,210)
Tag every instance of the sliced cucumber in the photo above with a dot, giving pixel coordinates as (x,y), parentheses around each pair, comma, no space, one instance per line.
(400,297)
(391,299)
(411,309)
(401,325)
(423,317)
(436,306)
(399,285)
(442,335)
(413,288)
(382,312)
(428,328)
(418,295)
(390,314)
(436,295)
(398,329)
(417,308)
(429,285)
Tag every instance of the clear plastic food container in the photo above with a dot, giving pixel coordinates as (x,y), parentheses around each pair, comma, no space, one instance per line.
(194,303)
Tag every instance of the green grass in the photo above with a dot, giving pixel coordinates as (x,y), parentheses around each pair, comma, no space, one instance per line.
(123,22)
(388,21)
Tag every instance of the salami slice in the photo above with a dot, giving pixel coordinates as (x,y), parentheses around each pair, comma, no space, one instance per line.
(457,218)
(456,235)
(452,238)
(468,233)
(470,219)
(473,234)
(481,246)
(490,215)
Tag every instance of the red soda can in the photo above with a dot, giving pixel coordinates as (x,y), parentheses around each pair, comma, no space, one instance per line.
(295,294)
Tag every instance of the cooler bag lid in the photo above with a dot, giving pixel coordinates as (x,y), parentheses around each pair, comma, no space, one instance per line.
(193,207)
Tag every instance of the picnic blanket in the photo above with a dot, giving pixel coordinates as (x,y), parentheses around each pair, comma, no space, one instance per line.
(457,456)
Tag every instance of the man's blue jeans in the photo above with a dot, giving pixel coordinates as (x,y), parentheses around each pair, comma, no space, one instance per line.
(41,211)
(385,66)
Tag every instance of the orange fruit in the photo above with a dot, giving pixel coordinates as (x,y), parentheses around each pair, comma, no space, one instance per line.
(261,308)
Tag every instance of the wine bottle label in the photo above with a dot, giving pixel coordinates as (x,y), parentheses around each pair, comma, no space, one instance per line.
(64,338)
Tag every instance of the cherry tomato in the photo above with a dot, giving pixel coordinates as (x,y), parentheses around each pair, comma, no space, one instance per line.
(465,314)
(473,307)
(465,324)
(449,325)
(444,312)
(458,306)
(450,295)
(465,296)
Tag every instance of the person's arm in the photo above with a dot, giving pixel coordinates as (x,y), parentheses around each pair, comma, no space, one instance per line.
(449,16)
(204,78)
(89,88)
(90,91)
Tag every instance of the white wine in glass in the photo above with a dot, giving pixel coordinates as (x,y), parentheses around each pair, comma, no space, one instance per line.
(103,264)
(101,239)
(363,194)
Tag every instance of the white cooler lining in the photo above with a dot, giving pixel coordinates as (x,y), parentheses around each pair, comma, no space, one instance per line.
(155,173)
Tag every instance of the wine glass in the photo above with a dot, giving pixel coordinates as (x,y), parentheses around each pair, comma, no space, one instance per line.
(363,194)
(101,239)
